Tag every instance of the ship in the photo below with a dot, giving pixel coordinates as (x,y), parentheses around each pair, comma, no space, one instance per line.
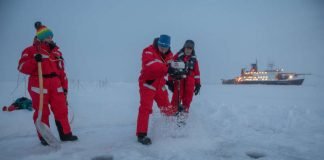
(269,77)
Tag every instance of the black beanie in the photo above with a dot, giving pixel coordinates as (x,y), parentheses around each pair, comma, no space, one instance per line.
(189,44)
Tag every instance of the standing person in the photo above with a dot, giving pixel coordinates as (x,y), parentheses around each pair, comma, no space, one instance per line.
(55,82)
(155,63)
(189,85)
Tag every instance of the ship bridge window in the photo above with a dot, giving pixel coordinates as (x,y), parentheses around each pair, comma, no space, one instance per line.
(283,76)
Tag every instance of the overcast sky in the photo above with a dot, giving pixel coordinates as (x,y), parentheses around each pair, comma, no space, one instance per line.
(103,39)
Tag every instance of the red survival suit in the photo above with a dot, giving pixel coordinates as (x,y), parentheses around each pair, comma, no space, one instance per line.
(54,81)
(152,85)
(187,85)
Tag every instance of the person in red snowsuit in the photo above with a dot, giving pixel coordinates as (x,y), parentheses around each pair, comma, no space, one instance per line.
(189,85)
(155,63)
(55,82)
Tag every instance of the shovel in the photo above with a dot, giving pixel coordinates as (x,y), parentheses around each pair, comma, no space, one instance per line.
(42,128)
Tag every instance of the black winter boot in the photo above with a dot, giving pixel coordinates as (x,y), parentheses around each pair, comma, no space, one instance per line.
(68,137)
(142,138)
(65,137)
(43,142)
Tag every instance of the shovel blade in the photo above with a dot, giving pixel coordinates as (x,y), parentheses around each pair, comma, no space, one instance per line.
(46,133)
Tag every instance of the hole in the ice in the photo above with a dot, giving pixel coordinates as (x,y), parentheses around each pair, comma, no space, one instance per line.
(255,155)
(103,158)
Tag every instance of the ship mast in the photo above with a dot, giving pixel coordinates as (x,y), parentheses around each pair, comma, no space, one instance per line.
(270,66)
(254,66)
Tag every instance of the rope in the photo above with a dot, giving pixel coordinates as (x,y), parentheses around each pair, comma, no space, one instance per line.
(25,79)
(71,113)
(17,85)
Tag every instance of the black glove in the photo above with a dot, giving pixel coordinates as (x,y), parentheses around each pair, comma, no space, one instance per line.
(38,57)
(170,85)
(197,88)
(52,45)
(170,70)
(65,91)
(149,82)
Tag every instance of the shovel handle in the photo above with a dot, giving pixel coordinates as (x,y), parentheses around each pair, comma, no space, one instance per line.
(41,88)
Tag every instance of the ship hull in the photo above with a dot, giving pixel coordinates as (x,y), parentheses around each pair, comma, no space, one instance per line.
(269,82)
